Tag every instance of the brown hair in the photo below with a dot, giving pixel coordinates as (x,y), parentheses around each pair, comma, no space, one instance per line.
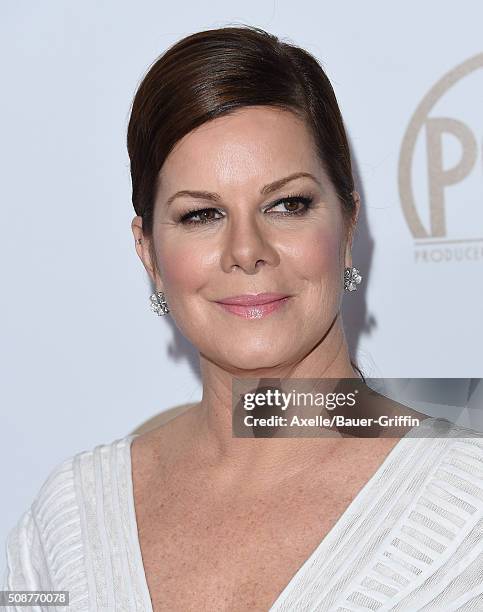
(215,72)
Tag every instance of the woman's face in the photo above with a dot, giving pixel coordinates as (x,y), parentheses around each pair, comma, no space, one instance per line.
(250,229)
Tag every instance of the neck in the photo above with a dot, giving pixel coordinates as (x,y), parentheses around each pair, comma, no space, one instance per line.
(264,456)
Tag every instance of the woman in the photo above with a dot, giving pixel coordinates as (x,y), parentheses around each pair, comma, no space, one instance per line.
(245,213)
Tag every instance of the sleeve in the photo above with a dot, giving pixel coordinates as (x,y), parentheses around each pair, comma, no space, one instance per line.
(26,569)
(45,549)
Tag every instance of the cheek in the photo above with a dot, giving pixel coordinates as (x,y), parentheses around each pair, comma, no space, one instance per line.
(317,255)
(183,263)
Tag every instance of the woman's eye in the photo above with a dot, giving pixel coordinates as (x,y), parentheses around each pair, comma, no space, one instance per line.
(196,217)
(293,205)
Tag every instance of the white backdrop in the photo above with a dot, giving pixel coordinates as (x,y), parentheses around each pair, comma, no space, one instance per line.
(83,359)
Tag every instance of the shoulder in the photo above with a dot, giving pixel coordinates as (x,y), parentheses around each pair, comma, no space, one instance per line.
(439,536)
(74,479)
(162,418)
(28,557)
(450,444)
(46,548)
(447,476)
(459,468)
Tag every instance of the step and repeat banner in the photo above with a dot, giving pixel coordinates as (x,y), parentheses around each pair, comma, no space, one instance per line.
(83,359)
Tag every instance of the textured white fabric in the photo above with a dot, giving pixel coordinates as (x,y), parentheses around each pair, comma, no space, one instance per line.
(411,540)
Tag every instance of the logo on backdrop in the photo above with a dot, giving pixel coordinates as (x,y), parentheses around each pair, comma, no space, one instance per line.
(441,168)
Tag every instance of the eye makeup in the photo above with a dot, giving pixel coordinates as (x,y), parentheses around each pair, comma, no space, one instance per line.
(203,214)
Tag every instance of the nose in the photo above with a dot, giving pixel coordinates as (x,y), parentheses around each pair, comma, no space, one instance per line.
(247,246)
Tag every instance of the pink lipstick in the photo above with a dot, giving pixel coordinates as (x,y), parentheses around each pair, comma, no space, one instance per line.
(254,306)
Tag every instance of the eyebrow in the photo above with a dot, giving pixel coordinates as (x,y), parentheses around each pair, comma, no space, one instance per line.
(270,188)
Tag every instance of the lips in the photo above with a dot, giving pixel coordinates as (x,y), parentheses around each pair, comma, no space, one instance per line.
(249,299)
(254,306)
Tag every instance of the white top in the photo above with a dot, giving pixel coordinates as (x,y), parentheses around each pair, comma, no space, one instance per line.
(412,539)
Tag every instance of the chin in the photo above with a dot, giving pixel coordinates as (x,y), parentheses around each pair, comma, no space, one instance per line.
(255,357)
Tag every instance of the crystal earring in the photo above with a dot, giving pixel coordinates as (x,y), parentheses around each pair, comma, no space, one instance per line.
(352,278)
(158,303)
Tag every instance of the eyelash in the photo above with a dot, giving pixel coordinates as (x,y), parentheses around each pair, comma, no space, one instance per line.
(307,201)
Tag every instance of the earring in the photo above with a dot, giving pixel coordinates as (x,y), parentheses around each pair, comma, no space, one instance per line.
(158,303)
(352,278)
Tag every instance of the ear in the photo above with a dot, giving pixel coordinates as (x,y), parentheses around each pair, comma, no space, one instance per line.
(142,245)
(348,251)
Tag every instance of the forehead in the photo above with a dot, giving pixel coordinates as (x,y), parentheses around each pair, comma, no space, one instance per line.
(252,145)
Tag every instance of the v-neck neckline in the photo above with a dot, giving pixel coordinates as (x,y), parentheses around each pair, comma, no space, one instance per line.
(396,450)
